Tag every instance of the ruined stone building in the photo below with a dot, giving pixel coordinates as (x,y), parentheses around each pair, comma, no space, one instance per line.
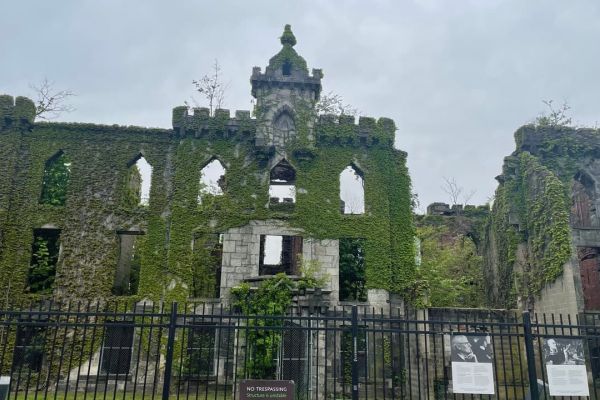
(75,222)
(239,198)
(543,236)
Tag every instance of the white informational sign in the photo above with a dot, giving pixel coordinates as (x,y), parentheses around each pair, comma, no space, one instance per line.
(472,363)
(567,380)
(565,367)
(4,383)
(475,378)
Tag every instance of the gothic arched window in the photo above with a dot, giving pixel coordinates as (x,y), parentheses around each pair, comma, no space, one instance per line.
(352,190)
(282,185)
(57,173)
(212,179)
(284,126)
(139,180)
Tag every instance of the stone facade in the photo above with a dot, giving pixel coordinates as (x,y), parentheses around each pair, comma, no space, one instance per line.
(552,239)
(105,237)
(241,251)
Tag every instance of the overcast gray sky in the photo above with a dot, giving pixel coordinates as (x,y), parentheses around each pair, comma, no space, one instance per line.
(458,77)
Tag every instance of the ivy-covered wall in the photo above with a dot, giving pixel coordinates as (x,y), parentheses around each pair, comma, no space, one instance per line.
(529,236)
(98,203)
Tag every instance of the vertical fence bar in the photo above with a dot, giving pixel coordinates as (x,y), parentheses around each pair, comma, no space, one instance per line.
(354,330)
(533,386)
(169,356)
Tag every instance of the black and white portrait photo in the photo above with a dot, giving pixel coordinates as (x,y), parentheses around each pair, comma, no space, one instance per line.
(558,351)
(472,363)
(565,366)
(472,348)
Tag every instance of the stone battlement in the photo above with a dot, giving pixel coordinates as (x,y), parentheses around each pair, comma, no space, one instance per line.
(19,111)
(342,129)
(201,123)
(297,79)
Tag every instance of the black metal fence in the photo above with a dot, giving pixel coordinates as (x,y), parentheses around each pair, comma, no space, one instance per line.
(131,351)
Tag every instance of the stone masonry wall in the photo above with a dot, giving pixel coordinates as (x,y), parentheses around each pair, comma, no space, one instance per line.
(241,252)
(561,296)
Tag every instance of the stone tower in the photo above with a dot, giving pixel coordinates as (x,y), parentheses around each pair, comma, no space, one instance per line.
(285,99)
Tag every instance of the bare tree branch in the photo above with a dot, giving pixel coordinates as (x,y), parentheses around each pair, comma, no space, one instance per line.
(452,189)
(468,196)
(50,103)
(555,116)
(212,88)
(332,103)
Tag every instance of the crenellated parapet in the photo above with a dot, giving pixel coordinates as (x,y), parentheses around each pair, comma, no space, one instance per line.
(201,124)
(297,79)
(16,112)
(551,141)
(343,130)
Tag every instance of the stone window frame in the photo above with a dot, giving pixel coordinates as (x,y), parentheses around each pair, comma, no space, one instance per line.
(119,233)
(222,185)
(219,275)
(49,228)
(142,201)
(289,264)
(361,174)
(47,164)
(276,179)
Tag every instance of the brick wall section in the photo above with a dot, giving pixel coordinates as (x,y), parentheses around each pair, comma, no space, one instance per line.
(590,277)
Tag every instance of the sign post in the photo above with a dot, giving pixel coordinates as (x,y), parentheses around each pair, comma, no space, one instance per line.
(252,389)
(4,385)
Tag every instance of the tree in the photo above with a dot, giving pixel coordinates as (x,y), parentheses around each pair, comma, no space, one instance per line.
(43,267)
(456,192)
(555,116)
(50,102)
(332,103)
(352,269)
(450,268)
(212,87)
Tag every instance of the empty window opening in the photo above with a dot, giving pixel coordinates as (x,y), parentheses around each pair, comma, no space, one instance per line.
(286,68)
(45,250)
(56,179)
(127,274)
(212,179)
(352,191)
(282,187)
(200,358)
(280,254)
(28,353)
(117,347)
(207,261)
(139,180)
(352,270)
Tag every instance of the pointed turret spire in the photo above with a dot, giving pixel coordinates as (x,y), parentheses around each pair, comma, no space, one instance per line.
(288,38)
(282,92)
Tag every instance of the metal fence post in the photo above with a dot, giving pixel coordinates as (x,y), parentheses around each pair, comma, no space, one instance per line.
(169,356)
(528,334)
(354,353)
